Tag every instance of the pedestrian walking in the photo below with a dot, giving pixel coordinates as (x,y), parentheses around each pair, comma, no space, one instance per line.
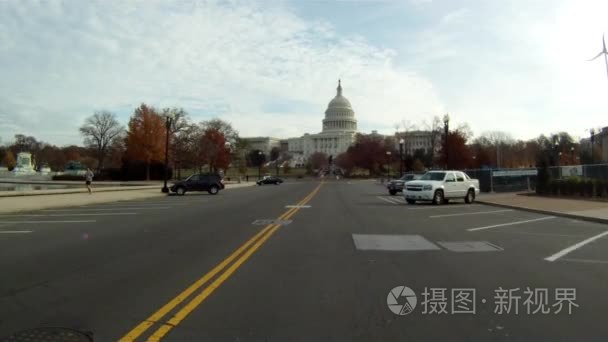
(88,177)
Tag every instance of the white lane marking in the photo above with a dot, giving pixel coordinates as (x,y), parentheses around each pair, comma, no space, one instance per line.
(131,205)
(387,200)
(15,231)
(586,261)
(63,215)
(297,206)
(62,221)
(537,234)
(511,223)
(473,213)
(398,199)
(104,209)
(458,206)
(575,247)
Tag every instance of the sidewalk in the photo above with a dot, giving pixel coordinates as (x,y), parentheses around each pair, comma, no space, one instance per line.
(46,199)
(571,208)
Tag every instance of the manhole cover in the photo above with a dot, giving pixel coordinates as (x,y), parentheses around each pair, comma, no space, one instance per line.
(393,243)
(49,335)
(469,246)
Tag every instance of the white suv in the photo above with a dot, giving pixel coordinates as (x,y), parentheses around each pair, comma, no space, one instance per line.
(441,186)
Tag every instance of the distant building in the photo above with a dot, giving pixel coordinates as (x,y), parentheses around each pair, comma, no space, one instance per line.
(338,132)
(415,140)
(264,144)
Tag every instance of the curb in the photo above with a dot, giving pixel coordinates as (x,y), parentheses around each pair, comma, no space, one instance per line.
(78,191)
(548,212)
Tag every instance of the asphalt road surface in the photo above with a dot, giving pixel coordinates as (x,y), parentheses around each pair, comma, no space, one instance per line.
(303,261)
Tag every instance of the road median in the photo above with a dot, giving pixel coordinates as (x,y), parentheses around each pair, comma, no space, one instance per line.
(46,199)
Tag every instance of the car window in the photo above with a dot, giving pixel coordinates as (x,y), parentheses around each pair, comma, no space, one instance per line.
(193,178)
(435,176)
(450,178)
(459,177)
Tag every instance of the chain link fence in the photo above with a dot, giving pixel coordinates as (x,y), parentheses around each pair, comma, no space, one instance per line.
(509,180)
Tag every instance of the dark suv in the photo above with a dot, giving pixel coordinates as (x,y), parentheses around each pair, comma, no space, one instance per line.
(209,182)
(396,185)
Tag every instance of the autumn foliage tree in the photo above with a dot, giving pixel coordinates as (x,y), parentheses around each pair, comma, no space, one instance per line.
(345,162)
(369,152)
(213,151)
(9,160)
(146,136)
(318,160)
(458,153)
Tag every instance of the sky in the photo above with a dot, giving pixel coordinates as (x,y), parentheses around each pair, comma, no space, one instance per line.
(271,67)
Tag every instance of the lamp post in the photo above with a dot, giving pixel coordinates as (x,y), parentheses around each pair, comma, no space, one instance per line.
(556,153)
(592,131)
(388,162)
(168,122)
(260,165)
(401,143)
(446,128)
(572,155)
(228,147)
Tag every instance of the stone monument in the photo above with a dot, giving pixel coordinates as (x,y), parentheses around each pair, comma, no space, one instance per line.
(24,164)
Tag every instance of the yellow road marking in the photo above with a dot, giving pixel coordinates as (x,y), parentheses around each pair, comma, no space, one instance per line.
(196,301)
(158,315)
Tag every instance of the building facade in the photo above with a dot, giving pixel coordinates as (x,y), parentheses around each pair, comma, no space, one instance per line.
(338,132)
(264,144)
(416,140)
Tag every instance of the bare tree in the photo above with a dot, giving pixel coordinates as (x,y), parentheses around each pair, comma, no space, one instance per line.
(99,132)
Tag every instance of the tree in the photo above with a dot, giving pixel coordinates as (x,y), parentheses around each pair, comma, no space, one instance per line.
(256,158)
(214,152)
(459,155)
(99,132)
(418,165)
(345,162)
(368,152)
(146,136)
(9,160)
(275,152)
(318,160)
(230,134)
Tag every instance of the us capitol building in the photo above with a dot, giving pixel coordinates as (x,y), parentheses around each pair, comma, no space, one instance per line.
(339,129)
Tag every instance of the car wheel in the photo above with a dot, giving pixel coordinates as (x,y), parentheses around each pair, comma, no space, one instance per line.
(180,191)
(438,197)
(446,201)
(470,197)
(392,192)
(214,190)
(411,201)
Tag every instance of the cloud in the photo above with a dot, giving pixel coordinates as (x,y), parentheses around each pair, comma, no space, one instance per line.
(61,61)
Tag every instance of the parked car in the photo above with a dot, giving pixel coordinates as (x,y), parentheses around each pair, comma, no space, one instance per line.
(396,185)
(441,186)
(210,182)
(270,180)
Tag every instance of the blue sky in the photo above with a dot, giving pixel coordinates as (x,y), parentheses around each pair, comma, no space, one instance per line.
(270,67)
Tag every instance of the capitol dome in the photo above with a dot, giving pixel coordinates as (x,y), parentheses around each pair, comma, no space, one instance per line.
(339,115)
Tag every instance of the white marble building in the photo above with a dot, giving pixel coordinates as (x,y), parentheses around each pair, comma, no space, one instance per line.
(339,129)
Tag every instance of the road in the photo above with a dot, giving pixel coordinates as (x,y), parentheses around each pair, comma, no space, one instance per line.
(214,268)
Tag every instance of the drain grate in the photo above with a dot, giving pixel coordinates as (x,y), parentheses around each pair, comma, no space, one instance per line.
(469,246)
(49,335)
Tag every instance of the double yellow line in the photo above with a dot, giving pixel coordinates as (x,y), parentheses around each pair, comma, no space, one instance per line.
(245,251)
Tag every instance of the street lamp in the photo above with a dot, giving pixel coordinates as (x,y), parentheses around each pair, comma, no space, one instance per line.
(592,131)
(572,155)
(388,161)
(401,143)
(228,146)
(168,123)
(446,127)
(260,165)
